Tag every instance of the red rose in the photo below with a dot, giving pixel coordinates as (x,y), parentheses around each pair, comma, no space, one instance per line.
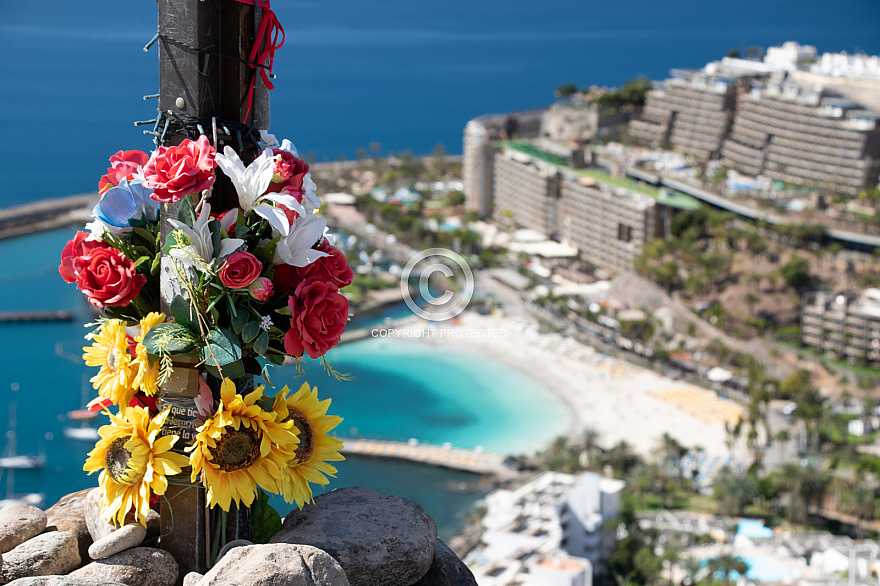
(318,317)
(174,172)
(75,254)
(240,270)
(123,165)
(107,277)
(289,174)
(330,269)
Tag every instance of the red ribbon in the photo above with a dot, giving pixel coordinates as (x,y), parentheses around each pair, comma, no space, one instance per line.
(265,45)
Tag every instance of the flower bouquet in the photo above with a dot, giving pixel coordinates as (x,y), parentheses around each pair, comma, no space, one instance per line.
(191,310)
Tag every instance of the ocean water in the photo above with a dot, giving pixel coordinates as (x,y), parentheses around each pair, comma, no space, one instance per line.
(403,390)
(405,74)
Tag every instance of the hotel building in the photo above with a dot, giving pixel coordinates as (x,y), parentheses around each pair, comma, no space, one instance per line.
(845,325)
(809,125)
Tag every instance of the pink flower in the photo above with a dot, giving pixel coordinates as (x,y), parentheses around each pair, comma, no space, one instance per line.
(330,269)
(177,171)
(318,317)
(108,277)
(289,173)
(240,270)
(261,289)
(123,165)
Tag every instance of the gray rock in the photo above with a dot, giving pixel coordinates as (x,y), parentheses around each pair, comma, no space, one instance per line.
(68,515)
(124,538)
(192,579)
(447,569)
(140,566)
(99,528)
(18,523)
(55,552)
(232,545)
(378,539)
(279,564)
(63,581)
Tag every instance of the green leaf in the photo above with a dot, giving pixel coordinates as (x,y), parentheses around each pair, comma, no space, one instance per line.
(225,347)
(266,253)
(238,321)
(145,234)
(232,370)
(126,313)
(283,310)
(186,213)
(250,331)
(241,229)
(265,375)
(266,521)
(216,230)
(157,264)
(169,338)
(184,313)
(261,344)
(276,359)
(141,260)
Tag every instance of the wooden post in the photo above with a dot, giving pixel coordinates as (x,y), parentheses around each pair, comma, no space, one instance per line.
(201,45)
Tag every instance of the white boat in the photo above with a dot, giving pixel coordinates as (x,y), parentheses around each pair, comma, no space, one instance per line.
(11,459)
(34,499)
(23,461)
(83,434)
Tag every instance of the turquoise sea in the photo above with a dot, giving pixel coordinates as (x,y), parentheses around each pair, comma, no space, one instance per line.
(403,390)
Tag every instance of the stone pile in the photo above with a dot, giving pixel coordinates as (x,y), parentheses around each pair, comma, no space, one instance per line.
(350,537)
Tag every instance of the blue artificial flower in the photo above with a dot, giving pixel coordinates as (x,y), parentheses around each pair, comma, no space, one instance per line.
(126,202)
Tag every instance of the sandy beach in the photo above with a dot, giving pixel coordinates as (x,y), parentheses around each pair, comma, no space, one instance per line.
(622,401)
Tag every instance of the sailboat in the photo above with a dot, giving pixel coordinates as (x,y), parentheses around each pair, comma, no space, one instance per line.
(11,459)
(34,499)
(84,432)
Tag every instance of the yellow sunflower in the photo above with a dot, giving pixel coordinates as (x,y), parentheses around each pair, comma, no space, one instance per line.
(147,375)
(115,380)
(134,462)
(316,447)
(241,447)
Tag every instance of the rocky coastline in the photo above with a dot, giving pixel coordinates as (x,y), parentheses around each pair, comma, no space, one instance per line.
(46,215)
(350,536)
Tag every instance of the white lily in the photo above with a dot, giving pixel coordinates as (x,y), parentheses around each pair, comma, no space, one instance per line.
(199,253)
(310,199)
(251,183)
(296,248)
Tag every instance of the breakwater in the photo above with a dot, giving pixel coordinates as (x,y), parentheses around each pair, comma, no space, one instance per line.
(46,215)
(476,461)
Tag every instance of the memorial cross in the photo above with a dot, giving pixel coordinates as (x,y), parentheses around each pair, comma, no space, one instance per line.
(205,78)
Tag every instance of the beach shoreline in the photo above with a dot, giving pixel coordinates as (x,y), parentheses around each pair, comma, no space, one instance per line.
(621,400)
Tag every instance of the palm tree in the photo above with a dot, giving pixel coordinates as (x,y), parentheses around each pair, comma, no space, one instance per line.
(725,565)
(805,487)
(556,456)
(589,442)
(621,458)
